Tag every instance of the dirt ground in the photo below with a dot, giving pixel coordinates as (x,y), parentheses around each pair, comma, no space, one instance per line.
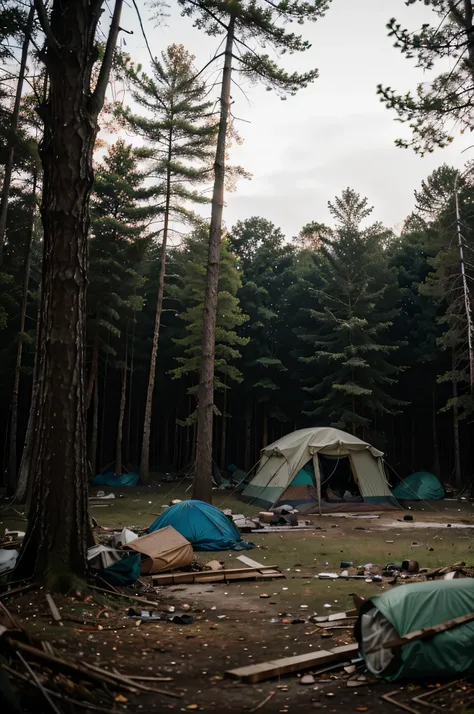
(233,625)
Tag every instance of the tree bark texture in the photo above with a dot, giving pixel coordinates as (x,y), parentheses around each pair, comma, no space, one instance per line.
(248,433)
(202,487)
(55,545)
(12,456)
(7,176)
(436,465)
(145,455)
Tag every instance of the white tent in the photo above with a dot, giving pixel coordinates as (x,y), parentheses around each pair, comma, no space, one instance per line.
(291,471)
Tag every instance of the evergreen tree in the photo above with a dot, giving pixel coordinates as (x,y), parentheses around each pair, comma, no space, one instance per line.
(348,355)
(191,289)
(265,261)
(248,27)
(448,100)
(181,139)
(120,213)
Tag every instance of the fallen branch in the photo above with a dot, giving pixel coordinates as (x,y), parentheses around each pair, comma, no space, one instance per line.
(389,698)
(16,591)
(123,678)
(263,702)
(134,598)
(38,683)
(57,695)
(54,610)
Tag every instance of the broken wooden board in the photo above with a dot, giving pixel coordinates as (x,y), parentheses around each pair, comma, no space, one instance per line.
(288,665)
(265,572)
(253,563)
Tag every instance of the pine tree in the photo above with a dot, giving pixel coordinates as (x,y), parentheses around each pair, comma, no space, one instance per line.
(181,140)
(348,355)
(248,27)
(448,100)
(191,289)
(118,243)
(265,261)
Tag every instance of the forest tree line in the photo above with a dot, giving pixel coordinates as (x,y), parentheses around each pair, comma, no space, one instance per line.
(347,324)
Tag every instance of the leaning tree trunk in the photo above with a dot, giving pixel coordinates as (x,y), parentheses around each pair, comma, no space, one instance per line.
(457,445)
(12,460)
(202,488)
(123,402)
(145,455)
(8,170)
(55,545)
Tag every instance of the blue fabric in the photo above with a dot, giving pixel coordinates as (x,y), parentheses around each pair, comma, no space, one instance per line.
(204,526)
(111,479)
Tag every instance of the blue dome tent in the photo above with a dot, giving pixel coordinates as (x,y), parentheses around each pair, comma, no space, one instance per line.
(203,525)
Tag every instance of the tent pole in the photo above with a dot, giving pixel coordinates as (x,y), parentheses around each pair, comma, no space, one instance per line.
(317,476)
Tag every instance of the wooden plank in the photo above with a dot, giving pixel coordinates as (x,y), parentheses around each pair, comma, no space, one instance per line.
(424,633)
(251,563)
(287,665)
(206,576)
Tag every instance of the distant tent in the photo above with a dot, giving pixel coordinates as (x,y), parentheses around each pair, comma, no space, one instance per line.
(420,486)
(110,479)
(203,525)
(321,468)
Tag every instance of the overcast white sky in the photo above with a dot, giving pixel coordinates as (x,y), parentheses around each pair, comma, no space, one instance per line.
(304,151)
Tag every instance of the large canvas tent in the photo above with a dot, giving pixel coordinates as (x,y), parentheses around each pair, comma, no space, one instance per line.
(320,469)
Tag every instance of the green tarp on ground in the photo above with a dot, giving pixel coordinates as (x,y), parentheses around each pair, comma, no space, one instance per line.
(420,486)
(418,605)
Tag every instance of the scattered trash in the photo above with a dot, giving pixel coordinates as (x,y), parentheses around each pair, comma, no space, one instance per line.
(307,679)
(8,560)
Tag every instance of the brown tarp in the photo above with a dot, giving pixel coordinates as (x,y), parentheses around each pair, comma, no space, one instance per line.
(164,549)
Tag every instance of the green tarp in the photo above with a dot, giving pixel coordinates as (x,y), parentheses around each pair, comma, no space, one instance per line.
(418,605)
(420,486)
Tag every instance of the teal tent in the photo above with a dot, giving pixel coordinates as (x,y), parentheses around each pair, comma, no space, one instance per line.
(203,525)
(110,479)
(420,486)
(412,607)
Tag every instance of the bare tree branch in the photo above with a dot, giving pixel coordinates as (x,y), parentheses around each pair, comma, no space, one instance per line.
(46,27)
(98,96)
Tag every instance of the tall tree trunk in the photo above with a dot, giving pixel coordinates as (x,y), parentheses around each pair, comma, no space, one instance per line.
(457,445)
(12,460)
(55,545)
(25,474)
(93,371)
(413,443)
(202,487)
(265,428)
(130,392)
(95,428)
(248,433)
(223,433)
(123,402)
(7,176)
(166,446)
(145,455)
(436,466)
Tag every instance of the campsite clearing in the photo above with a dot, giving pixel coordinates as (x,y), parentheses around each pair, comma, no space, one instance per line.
(234,626)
